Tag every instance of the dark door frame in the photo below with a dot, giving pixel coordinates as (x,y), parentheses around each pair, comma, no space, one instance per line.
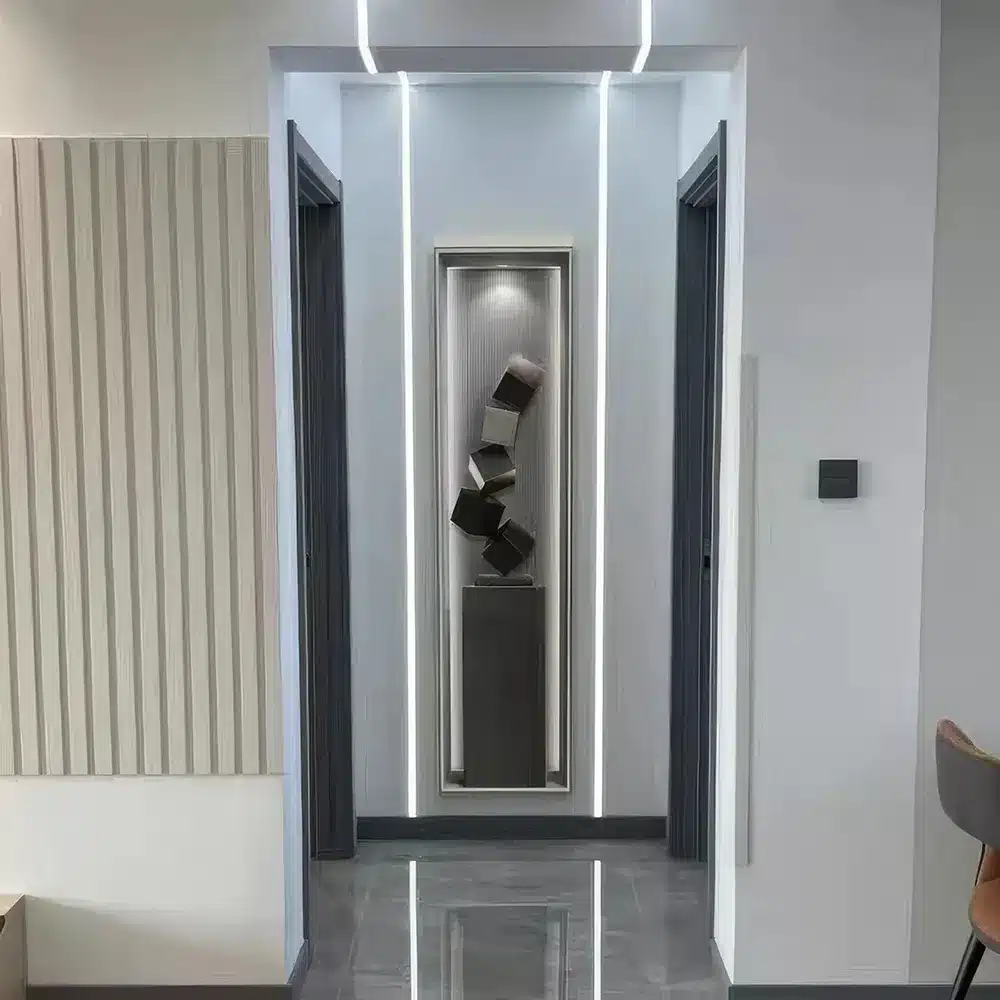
(701,218)
(315,205)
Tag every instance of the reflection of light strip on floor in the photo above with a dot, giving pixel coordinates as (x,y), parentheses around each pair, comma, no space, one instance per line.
(598,944)
(414,985)
(601,444)
(411,541)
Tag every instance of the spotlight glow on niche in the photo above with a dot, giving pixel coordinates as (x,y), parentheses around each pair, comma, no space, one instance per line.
(363,47)
(411,541)
(601,408)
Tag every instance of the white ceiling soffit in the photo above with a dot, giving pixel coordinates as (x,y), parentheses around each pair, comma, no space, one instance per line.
(486,36)
(505,25)
(438,62)
(501,59)
(317,59)
(691,58)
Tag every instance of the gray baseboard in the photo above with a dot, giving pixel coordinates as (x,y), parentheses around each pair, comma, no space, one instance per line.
(512,828)
(848,991)
(279,991)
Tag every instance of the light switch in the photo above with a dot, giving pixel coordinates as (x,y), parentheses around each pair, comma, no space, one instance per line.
(838,478)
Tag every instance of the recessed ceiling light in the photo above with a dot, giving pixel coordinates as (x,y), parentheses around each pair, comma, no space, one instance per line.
(646,34)
(363,47)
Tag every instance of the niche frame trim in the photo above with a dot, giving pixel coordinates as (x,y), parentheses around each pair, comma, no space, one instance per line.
(490,257)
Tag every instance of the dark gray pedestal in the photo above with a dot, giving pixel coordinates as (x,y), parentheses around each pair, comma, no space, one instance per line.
(503,686)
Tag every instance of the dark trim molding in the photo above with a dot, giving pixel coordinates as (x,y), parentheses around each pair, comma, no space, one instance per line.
(291,990)
(512,828)
(718,966)
(299,971)
(457,777)
(315,230)
(698,185)
(317,185)
(859,991)
(701,258)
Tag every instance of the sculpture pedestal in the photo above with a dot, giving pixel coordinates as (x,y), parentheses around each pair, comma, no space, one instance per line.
(503,686)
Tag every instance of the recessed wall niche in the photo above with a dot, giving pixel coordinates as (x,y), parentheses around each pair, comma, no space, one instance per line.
(503,413)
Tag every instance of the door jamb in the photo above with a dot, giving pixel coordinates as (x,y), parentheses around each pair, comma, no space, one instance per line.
(703,185)
(310,182)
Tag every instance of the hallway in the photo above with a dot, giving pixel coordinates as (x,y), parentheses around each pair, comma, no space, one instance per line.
(510,922)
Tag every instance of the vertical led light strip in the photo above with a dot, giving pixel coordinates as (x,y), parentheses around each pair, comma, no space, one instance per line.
(414,956)
(363,47)
(411,540)
(601,440)
(597,945)
(646,36)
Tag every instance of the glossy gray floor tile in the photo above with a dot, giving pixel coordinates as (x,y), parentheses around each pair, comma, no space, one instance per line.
(465,921)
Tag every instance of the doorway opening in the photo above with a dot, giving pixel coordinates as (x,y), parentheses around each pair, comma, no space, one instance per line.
(701,214)
(329,826)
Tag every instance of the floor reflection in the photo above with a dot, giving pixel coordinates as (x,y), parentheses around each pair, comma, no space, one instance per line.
(510,922)
(524,948)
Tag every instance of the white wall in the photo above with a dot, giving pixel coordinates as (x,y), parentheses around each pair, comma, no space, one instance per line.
(143,67)
(508,166)
(735,521)
(112,68)
(705,101)
(373,271)
(314,103)
(958,675)
(515,165)
(642,250)
(146,880)
(286,525)
(841,330)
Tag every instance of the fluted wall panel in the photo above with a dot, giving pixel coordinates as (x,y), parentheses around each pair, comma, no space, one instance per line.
(136,482)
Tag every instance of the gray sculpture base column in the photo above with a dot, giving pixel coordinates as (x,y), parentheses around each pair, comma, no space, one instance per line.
(503,686)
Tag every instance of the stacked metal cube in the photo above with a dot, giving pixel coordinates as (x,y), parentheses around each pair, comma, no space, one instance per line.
(478,510)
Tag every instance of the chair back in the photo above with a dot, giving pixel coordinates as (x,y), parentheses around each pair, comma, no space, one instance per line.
(968,784)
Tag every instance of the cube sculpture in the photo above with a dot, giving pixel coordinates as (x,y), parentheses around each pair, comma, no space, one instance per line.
(476,514)
(500,426)
(519,383)
(477,511)
(509,548)
(492,469)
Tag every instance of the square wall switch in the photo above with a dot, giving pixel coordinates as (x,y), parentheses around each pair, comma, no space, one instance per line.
(838,479)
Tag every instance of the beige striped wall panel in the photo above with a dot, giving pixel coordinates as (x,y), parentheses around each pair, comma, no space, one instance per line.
(137,532)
